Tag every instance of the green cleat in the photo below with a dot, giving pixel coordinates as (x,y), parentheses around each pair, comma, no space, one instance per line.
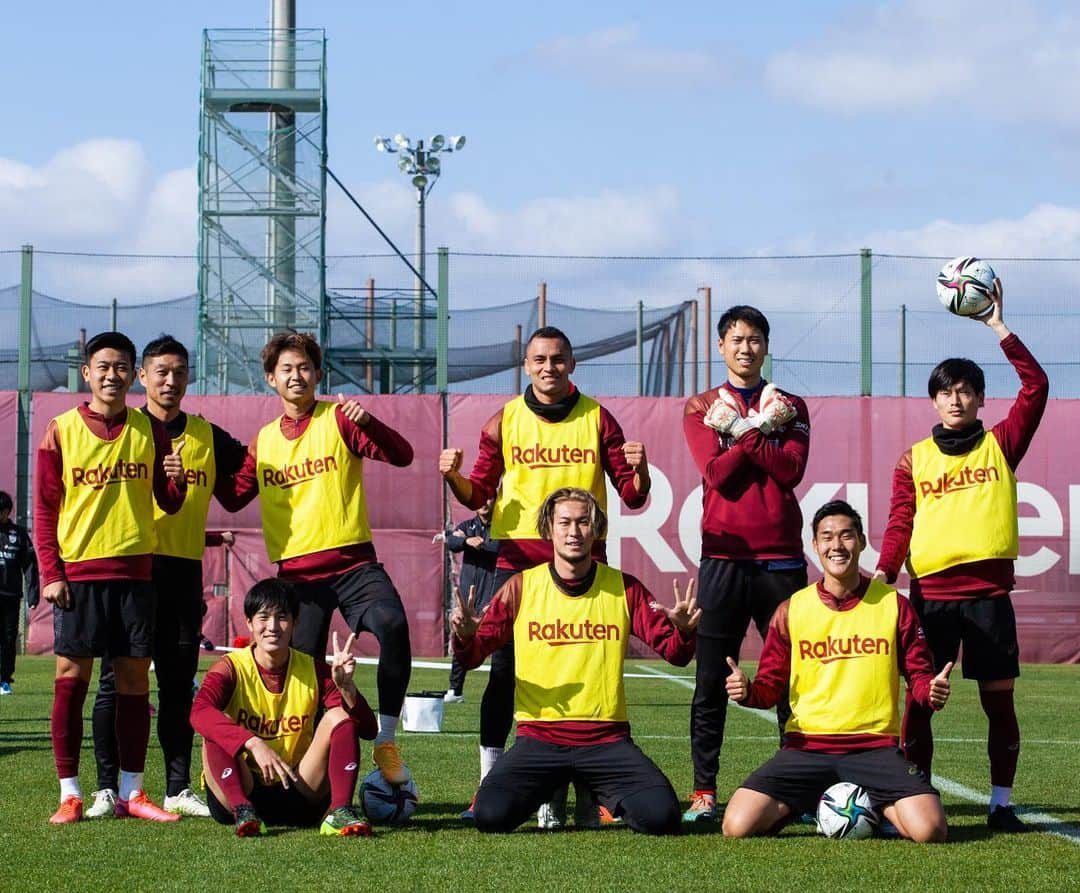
(345,821)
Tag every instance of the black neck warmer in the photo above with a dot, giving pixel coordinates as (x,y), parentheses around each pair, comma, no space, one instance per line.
(552,412)
(956,443)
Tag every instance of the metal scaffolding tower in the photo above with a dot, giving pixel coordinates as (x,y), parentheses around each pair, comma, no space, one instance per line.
(262,199)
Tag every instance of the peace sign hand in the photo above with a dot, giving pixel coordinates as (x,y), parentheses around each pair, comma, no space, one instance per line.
(464,619)
(685,613)
(343,664)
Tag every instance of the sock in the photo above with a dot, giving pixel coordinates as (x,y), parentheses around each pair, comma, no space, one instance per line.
(488,757)
(66,724)
(1003,736)
(130,784)
(132,736)
(344,758)
(69,787)
(999,796)
(225,768)
(916,735)
(387,728)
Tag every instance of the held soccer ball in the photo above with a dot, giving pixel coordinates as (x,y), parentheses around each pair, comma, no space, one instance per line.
(387,804)
(844,811)
(965,286)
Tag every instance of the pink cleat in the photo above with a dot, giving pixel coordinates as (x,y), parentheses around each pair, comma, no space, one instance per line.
(142,807)
(70,811)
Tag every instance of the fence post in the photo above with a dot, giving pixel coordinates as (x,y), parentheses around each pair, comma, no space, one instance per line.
(22,449)
(442,334)
(866,306)
(640,336)
(903,350)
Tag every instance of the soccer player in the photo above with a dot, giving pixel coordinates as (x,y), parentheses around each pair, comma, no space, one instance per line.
(210,456)
(472,538)
(16,562)
(750,442)
(841,645)
(551,436)
(280,728)
(570,702)
(307,467)
(953,516)
(99,471)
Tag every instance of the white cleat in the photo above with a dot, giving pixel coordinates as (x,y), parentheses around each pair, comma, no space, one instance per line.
(104,805)
(188,803)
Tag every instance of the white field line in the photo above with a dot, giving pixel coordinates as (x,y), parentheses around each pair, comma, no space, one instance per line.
(1050,825)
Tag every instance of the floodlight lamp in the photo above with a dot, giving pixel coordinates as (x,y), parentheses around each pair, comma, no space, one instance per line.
(382,144)
(457,143)
(432,164)
(419,181)
(405,165)
(436,143)
(401,141)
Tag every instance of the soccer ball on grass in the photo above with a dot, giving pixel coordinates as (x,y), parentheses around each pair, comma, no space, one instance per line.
(387,804)
(844,811)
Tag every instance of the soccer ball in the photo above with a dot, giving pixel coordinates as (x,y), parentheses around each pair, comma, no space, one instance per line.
(387,804)
(965,286)
(844,811)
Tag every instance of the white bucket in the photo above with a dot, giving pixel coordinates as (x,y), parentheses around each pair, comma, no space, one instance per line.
(423,711)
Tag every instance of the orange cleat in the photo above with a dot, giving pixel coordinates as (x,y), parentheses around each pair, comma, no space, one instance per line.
(388,759)
(139,806)
(70,811)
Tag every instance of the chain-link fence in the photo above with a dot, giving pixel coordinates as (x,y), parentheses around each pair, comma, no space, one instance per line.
(639,325)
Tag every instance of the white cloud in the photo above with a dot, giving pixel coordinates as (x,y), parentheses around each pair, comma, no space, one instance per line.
(1013,60)
(1045,231)
(620,56)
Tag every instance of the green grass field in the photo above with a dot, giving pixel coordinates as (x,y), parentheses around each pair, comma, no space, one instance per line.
(435,852)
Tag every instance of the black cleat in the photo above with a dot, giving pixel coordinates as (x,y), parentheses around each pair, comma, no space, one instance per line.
(1005,819)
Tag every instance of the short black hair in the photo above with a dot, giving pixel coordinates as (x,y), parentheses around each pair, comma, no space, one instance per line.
(164,346)
(954,370)
(271,594)
(111,340)
(6,504)
(742,313)
(837,507)
(553,333)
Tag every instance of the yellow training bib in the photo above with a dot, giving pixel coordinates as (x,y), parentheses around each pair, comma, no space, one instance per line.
(569,650)
(541,457)
(183,535)
(107,510)
(845,678)
(285,721)
(965,507)
(311,489)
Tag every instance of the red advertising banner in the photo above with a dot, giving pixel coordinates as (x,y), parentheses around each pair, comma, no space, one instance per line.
(9,411)
(855,443)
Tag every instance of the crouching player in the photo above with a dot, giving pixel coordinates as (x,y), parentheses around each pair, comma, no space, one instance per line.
(570,705)
(281,728)
(842,644)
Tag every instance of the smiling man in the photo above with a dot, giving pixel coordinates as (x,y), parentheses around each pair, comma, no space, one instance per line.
(100,470)
(841,647)
(570,620)
(750,442)
(953,517)
(280,728)
(210,457)
(307,467)
(551,436)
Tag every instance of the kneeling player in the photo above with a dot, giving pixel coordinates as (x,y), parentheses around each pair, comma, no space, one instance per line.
(570,704)
(843,645)
(267,754)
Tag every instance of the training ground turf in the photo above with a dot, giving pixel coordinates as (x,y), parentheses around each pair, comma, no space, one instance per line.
(435,852)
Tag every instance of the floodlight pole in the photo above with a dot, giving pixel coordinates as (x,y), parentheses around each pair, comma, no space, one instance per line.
(421,271)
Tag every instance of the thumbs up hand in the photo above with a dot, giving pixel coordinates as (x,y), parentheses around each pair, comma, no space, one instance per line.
(173,464)
(939,687)
(737,683)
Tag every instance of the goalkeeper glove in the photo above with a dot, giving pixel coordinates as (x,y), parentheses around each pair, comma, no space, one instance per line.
(725,416)
(774,410)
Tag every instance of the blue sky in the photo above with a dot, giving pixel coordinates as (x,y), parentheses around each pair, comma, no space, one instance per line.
(632,128)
